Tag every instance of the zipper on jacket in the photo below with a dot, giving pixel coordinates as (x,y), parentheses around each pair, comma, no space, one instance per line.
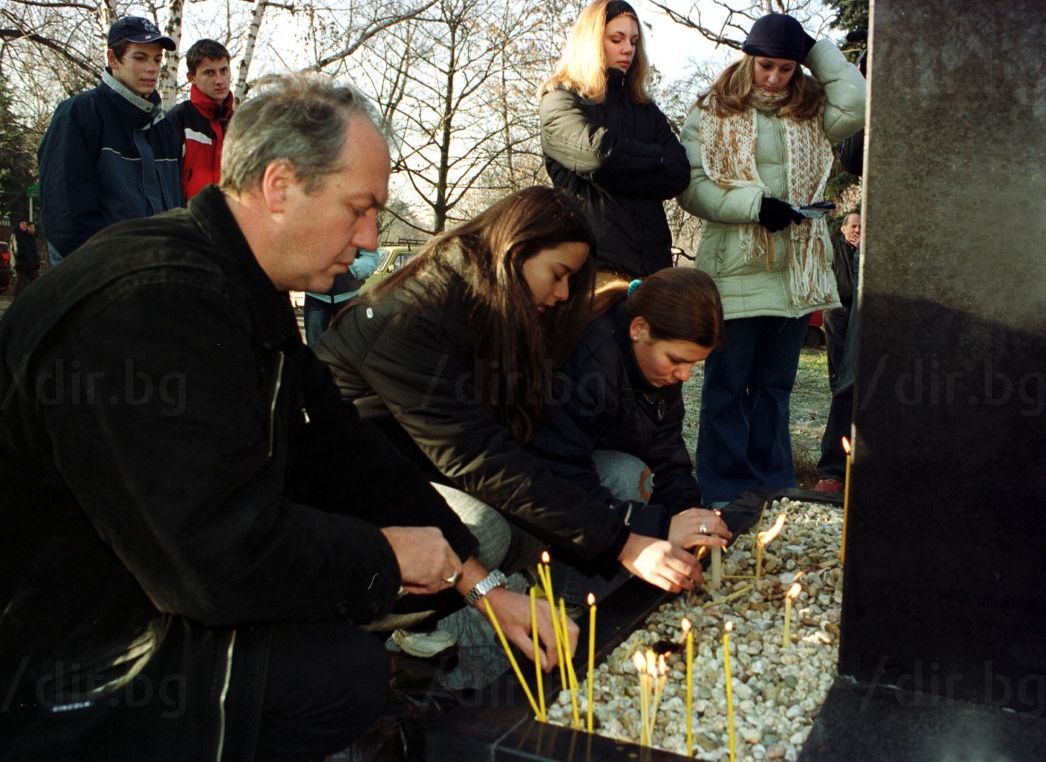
(221,698)
(272,404)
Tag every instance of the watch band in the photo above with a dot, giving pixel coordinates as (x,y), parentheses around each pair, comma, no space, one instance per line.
(496,578)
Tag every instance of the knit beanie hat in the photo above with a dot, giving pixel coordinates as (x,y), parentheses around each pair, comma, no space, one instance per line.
(778,35)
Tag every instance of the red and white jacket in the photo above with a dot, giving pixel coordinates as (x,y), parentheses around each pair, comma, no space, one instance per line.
(202,124)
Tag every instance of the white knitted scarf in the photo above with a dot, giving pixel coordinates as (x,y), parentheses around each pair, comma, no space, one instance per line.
(728,154)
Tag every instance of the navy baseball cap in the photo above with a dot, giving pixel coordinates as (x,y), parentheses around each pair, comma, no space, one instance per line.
(137,29)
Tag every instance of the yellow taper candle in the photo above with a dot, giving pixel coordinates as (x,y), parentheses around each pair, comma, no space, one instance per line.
(571,675)
(689,634)
(509,654)
(640,664)
(716,567)
(729,689)
(542,716)
(591,657)
(846,497)
(545,575)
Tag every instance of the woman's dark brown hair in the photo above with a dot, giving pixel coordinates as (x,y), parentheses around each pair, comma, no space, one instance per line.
(516,347)
(679,303)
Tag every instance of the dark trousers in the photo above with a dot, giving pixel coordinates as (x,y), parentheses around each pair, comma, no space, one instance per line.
(836,323)
(317,316)
(326,684)
(24,278)
(743,437)
(832,464)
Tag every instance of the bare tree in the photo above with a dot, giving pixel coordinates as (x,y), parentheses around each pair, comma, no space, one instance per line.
(726,22)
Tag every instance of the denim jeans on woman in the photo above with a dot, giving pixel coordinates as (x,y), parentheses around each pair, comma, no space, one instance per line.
(743,438)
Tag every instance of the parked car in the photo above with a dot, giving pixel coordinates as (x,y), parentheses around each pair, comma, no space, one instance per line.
(6,269)
(392,258)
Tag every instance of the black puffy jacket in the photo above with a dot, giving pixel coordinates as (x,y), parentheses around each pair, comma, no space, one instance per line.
(409,363)
(622,160)
(165,497)
(603,402)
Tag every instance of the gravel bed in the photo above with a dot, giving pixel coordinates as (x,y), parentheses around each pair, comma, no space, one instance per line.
(777,691)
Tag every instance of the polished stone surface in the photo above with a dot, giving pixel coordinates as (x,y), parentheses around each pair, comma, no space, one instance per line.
(944,585)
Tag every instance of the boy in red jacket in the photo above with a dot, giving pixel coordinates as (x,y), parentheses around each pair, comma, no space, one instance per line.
(202,119)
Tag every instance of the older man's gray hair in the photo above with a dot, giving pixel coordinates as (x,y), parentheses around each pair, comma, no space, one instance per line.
(299,118)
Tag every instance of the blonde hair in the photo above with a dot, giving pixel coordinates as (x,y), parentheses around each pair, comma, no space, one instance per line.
(583,65)
(734,87)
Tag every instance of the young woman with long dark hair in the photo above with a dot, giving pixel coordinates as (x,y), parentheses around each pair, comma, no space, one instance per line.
(615,423)
(454,357)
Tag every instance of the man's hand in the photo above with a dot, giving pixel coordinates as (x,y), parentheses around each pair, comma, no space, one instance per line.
(513,613)
(698,526)
(427,562)
(660,563)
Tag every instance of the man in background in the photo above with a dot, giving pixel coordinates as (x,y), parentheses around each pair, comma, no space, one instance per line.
(202,120)
(832,466)
(109,153)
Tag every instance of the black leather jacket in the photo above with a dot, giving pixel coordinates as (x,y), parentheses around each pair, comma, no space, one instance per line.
(603,402)
(622,161)
(164,496)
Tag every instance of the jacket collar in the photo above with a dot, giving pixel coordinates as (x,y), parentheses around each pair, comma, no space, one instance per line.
(622,322)
(270,307)
(208,108)
(616,80)
(141,111)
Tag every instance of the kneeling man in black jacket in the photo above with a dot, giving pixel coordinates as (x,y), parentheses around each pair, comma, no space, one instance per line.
(193,521)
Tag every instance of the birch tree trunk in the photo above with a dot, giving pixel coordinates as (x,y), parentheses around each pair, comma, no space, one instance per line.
(169,73)
(242,85)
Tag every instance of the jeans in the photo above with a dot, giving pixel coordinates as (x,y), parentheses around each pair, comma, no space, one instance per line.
(317,316)
(743,437)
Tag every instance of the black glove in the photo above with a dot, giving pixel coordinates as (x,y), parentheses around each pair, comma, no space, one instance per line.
(776,215)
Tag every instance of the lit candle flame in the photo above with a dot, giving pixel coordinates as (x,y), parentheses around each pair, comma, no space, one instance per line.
(662,668)
(764,538)
(793,591)
(651,662)
(639,662)
(545,557)
(729,626)
(591,599)
(685,626)
(846,445)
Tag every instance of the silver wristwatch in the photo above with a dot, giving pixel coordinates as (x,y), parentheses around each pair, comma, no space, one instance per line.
(496,578)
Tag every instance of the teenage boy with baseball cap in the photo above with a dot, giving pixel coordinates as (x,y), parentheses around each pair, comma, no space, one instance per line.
(109,153)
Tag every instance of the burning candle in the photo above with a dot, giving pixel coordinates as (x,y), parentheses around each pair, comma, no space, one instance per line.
(640,664)
(793,593)
(562,648)
(688,633)
(729,688)
(508,653)
(591,655)
(571,675)
(762,539)
(542,716)
(846,497)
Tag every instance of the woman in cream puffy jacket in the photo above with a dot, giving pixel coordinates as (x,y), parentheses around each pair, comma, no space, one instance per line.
(759,144)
